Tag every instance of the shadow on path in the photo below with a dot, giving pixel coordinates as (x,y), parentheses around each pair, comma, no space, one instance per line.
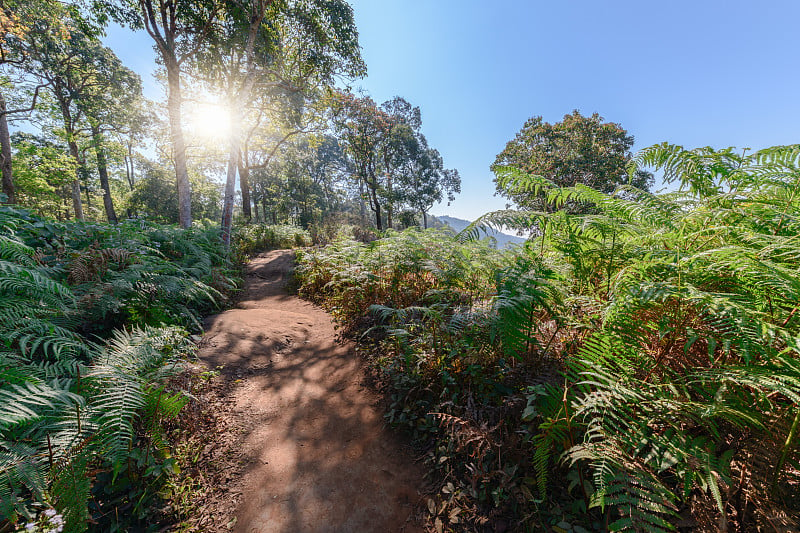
(319,457)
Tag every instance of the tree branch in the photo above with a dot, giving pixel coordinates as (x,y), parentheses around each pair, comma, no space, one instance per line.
(275,149)
(33,103)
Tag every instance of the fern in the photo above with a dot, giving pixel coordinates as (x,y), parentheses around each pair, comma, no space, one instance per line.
(123,375)
(73,403)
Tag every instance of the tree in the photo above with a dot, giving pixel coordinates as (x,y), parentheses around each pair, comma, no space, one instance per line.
(277,49)
(179,28)
(303,182)
(154,195)
(61,66)
(43,172)
(19,20)
(390,156)
(426,181)
(576,150)
(400,145)
(89,86)
(362,129)
(113,103)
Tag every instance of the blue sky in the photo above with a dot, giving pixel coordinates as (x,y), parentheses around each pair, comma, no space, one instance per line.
(694,73)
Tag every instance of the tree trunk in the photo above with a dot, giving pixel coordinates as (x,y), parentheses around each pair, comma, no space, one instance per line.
(129,169)
(63,104)
(361,203)
(424,220)
(230,180)
(5,155)
(376,208)
(255,210)
(85,175)
(389,203)
(102,169)
(227,205)
(77,204)
(174,101)
(244,184)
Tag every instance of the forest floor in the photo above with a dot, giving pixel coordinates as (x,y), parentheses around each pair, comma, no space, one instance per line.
(302,432)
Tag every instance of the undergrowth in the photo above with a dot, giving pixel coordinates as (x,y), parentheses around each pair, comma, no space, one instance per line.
(254,238)
(632,368)
(95,324)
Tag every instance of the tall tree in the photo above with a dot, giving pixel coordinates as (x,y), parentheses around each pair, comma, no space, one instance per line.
(19,20)
(304,181)
(179,28)
(85,80)
(576,150)
(6,172)
(390,156)
(113,103)
(276,122)
(398,146)
(425,181)
(363,128)
(61,65)
(280,48)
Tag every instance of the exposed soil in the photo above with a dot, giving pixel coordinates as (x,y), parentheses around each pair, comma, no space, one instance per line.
(315,454)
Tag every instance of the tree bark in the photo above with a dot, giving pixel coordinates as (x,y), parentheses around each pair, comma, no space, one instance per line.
(66,115)
(85,175)
(129,169)
(102,170)
(5,155)
(77,203)
(227,205)
(424,220)
(389,203)
(230,179)
(362,205)
(239,101)
(244,184)
(376,208)
(174,101)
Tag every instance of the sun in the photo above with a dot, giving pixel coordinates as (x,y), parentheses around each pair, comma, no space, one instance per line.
(209,122)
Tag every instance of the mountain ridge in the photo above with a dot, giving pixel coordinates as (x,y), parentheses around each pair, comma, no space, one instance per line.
(504,240)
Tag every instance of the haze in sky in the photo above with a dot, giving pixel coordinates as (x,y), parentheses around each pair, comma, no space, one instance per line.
(696,73)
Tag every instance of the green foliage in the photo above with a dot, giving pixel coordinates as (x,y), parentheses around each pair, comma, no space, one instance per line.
(42,172)
(251,239)
(577,150)
(390,157)
(77,407)
(154,195)
(650,345)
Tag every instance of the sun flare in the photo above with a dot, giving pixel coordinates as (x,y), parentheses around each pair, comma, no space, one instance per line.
(209,122)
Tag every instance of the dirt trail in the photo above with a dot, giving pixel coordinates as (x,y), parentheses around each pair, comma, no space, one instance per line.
(319,459)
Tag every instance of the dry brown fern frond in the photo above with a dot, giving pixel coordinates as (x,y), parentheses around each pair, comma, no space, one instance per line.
(478,441)
(91,264)
(765,495)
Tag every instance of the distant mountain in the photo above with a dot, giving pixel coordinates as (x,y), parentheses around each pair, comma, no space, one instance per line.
(504,240)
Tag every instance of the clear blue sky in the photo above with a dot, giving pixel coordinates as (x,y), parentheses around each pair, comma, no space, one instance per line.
(718,73)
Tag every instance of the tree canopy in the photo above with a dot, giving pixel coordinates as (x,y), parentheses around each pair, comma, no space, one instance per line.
(577,150)
(390,157)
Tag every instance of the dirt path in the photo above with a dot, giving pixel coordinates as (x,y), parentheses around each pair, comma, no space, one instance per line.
(319,459)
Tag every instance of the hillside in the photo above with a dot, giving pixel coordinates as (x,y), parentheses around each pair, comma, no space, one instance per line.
(504,240)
